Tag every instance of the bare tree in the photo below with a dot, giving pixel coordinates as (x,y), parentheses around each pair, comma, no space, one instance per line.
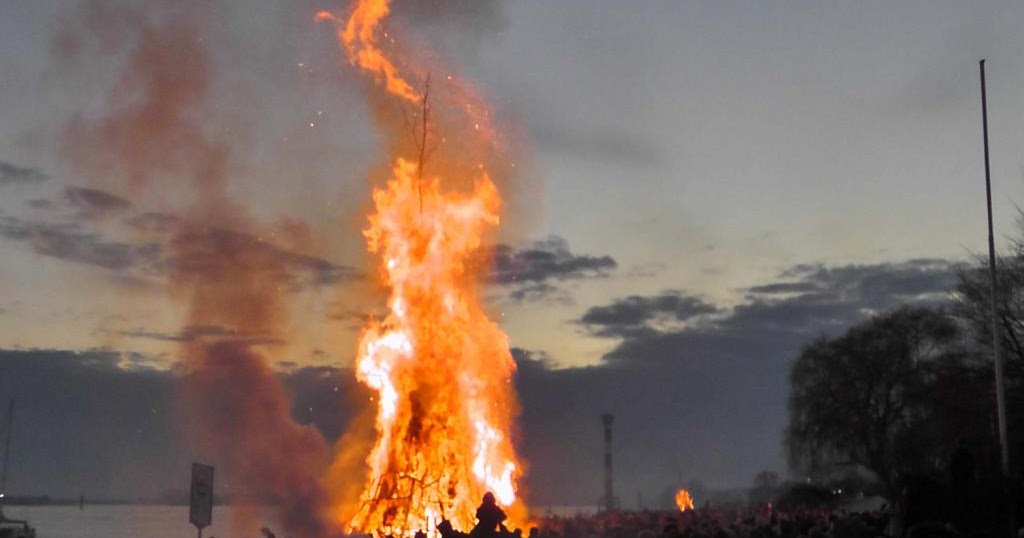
(423,137)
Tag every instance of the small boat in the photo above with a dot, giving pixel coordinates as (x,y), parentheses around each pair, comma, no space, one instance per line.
(10,528)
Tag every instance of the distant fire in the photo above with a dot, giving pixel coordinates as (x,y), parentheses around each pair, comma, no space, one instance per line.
(683,500)
(442,370)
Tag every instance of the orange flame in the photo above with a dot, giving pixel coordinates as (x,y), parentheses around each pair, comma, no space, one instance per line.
(442,370)
(359,38)
(683,500)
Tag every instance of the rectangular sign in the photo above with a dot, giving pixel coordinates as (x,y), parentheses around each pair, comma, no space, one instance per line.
(200,511)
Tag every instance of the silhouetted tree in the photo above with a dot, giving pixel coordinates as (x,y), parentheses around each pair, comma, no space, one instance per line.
(974,414)
(865,399)
(972,306)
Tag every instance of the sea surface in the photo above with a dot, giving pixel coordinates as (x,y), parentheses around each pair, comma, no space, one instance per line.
(141,521)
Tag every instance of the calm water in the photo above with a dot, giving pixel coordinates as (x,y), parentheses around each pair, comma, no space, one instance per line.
(138,521)
(165,521)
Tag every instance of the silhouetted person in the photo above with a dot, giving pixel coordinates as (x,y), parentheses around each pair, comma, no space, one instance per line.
(266,533)
(488,516)
(446,529)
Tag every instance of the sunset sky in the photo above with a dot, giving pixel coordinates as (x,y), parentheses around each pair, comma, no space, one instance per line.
(700,189)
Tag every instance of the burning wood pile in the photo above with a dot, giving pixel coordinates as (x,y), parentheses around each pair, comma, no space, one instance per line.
(440,367)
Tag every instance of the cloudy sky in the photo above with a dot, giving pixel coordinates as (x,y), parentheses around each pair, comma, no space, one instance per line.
(702,187)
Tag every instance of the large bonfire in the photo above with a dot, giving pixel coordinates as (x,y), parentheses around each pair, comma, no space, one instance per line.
(440,368)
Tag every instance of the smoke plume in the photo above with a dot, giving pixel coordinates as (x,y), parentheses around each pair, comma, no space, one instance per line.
(152,139)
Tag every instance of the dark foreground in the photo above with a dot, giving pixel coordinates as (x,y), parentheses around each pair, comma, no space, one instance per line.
(754,522)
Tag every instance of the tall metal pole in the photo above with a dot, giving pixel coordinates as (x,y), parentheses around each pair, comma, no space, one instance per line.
(996,355)
(609,494)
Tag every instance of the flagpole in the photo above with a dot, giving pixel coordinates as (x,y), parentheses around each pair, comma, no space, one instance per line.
(996,354)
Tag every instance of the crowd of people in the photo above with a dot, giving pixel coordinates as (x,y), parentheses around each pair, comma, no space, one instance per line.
(763,521)
(706,522)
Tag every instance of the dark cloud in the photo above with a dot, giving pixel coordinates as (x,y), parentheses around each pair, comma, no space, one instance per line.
(201,251)
(813,300)
(205,332)
(541,291)
(872,285)
(783,288)
(532,271)
(833,298)
(95,203)
(11,174)
(73,243)
(635,314)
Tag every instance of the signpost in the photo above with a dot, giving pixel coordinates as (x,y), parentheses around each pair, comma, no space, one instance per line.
(200,512)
